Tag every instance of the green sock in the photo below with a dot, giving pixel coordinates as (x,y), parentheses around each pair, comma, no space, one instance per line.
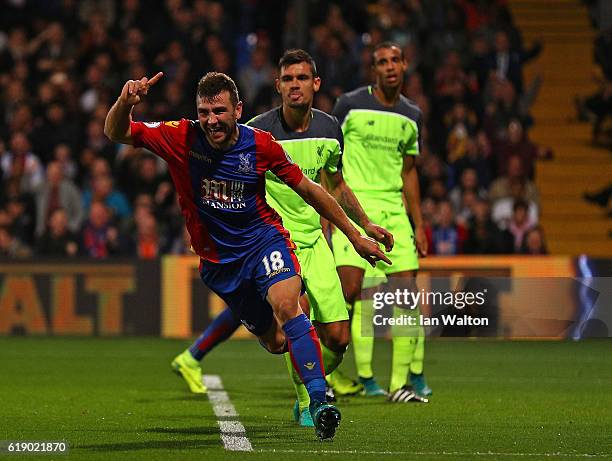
(416,366)
(300,390)
(404,342)
(403,349)
(363,345)
(331,359)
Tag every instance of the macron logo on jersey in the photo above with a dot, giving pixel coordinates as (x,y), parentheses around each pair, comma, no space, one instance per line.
(223,195)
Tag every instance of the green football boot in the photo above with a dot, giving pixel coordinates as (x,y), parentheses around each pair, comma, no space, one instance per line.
(189,368)
(343,385)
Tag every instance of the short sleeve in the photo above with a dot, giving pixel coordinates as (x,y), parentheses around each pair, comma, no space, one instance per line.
(341,109)
(334,162)
(165,139)
(281,164)
(413,144)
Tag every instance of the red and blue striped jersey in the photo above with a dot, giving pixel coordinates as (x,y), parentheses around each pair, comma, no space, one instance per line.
(222,194)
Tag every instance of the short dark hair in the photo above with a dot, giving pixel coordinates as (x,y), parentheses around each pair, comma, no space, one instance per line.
(214,83)
(296,56)
(387,44)
(520,203)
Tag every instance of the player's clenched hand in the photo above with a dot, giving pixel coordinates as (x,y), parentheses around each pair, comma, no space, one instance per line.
(133,90)
(368,249)
(380,234)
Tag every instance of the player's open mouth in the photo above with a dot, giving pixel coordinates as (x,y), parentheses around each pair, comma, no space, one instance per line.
(217,132)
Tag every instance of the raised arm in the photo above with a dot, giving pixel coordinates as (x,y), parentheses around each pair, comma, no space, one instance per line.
(340,190)
(117,123)
(328,207)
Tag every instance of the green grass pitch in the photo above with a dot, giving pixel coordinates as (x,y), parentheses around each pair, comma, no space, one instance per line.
(117,399)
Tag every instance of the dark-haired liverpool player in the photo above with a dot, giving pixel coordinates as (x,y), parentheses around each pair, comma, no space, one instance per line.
(218,167)
(381,142)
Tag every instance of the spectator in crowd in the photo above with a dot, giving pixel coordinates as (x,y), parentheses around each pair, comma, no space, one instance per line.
(256,75)
(466,206)
(520,223)
(58,192)
(460,127)
(503,208)
(55,128)
(501,105)
(19,211)
(502,186)
(507,64)
(484,237)
(477,157)
(102,189)
(21,165)
(62,153)
(468,183)
(146,178)
(597,107)
(517,143)
(10,246)
(534,242)
(53,52)
(100,238)
(58,240)
(146,243)
(97,141)
(447,237)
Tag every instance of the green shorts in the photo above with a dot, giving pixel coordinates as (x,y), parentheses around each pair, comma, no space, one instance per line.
(322,282)
(403,256)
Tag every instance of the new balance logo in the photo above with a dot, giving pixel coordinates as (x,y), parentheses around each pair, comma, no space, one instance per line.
(310,365)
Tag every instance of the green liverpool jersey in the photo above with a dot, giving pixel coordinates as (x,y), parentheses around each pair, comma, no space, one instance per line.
(312,150)
(376,139)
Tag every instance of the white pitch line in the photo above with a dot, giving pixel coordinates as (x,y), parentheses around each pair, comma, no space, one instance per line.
(438,453)
(233,433)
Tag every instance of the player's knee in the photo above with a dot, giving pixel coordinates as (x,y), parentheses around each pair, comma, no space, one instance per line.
(337,344)
(337,338)
(277,346)
(351,292)
(277,349)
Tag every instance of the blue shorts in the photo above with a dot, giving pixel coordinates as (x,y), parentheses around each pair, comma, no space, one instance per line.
(243,284)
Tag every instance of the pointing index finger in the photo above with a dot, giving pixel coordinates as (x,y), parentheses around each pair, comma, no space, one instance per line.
(153,80)
(382,257)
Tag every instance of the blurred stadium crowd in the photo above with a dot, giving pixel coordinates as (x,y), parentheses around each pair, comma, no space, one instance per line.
(67,190)
(597,107)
